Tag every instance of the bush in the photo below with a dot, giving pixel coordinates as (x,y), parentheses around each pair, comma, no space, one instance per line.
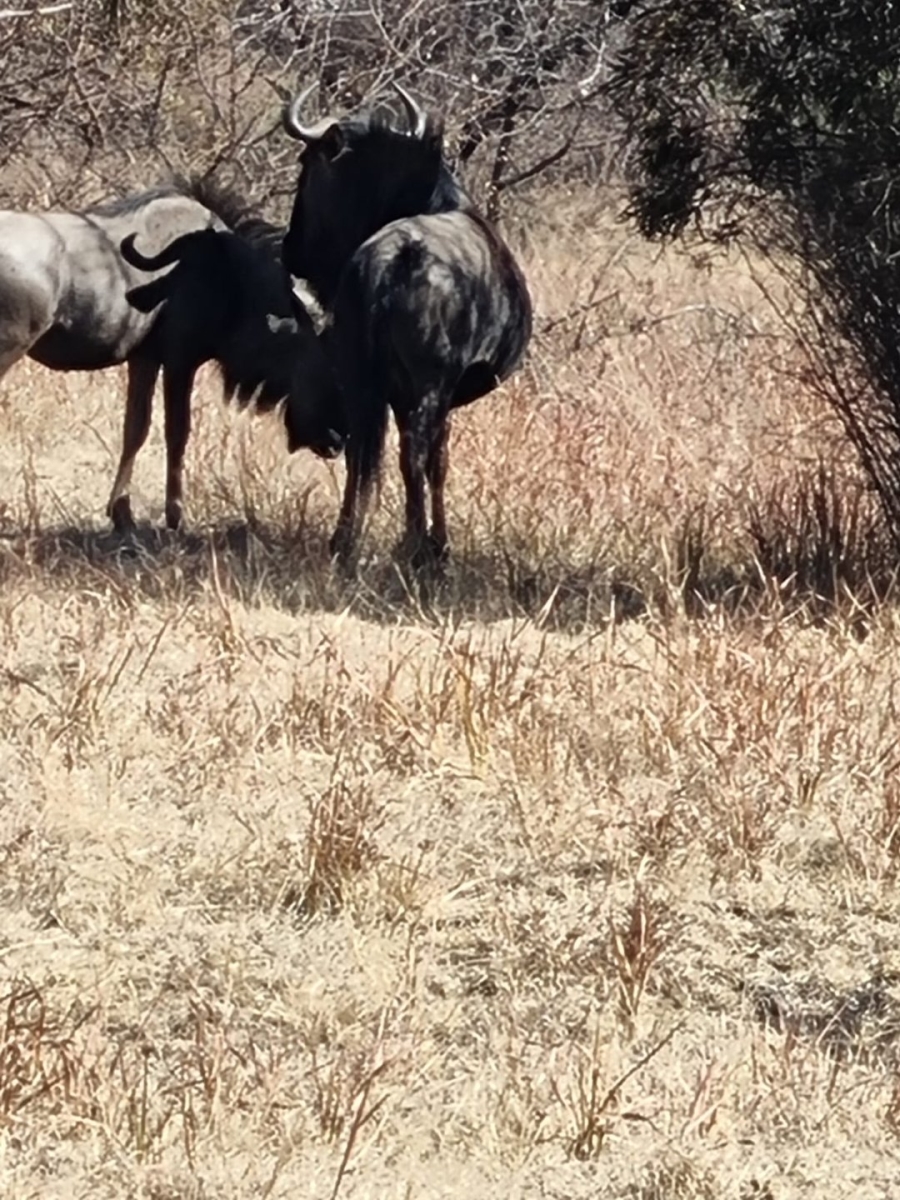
(775,124)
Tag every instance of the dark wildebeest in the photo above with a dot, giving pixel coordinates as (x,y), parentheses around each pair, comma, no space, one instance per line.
(66,296)
(429,309)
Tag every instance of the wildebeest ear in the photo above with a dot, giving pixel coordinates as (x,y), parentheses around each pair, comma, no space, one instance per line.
(282,324)
(434,131)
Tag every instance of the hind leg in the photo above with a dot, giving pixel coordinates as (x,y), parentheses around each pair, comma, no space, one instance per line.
(424,436)
(177,384)
(436,472)
(142,375)
(411,468)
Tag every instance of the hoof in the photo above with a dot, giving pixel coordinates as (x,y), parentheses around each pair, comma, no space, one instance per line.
(438,548)
(119,512)
(340,548)
(173,516)
(426,553)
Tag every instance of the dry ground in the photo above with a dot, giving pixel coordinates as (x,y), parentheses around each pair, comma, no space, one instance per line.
(467,889)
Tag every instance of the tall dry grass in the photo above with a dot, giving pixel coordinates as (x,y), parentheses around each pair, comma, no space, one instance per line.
(571,874)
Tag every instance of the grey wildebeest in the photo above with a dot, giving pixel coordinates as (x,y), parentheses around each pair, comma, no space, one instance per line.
(70,300)
(429,310)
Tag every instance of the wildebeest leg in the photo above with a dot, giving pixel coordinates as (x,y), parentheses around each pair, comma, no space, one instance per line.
(177,384)
(353,509)
(142,375)
(411,468)
(366,424)
(436,471)
(9,355)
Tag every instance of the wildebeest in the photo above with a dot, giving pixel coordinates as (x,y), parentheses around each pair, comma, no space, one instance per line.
(429,309)
(71,301)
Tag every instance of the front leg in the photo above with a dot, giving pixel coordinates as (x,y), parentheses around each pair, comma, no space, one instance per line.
(177,384)
(411,468)
(342,545)
(142,375)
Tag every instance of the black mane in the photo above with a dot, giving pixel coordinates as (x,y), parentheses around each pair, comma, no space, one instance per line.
(123,205)
(239,214)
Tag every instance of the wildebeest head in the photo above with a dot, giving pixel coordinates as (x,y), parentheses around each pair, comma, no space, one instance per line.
(313,412)
(358,173)
(312,402)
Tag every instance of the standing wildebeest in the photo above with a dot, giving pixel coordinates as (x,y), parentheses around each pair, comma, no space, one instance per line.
(429,309)
(70,301)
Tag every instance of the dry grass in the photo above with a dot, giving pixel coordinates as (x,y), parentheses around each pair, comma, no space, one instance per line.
(388,889)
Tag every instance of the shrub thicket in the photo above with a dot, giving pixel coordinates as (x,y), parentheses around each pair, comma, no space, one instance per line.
(776,124)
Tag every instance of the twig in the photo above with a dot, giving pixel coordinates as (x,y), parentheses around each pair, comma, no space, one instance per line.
(578,311)
(613,1092)
(543,163)
(639,325)
(7,14)
(360,1117)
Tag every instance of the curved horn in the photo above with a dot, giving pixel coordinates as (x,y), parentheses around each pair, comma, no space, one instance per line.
(416,115)
(166,257)
(294,127)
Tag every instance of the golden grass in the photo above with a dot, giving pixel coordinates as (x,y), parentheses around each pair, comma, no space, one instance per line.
(314,888)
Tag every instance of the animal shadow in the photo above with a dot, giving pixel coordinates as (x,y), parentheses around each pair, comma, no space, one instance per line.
(294,571)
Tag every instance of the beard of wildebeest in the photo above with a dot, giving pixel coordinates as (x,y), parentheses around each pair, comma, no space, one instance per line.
(357,177)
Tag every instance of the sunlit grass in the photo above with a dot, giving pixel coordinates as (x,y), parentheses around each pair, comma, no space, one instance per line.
(573,873)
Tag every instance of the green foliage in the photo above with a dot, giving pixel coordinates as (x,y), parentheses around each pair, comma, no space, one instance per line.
(777,124)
